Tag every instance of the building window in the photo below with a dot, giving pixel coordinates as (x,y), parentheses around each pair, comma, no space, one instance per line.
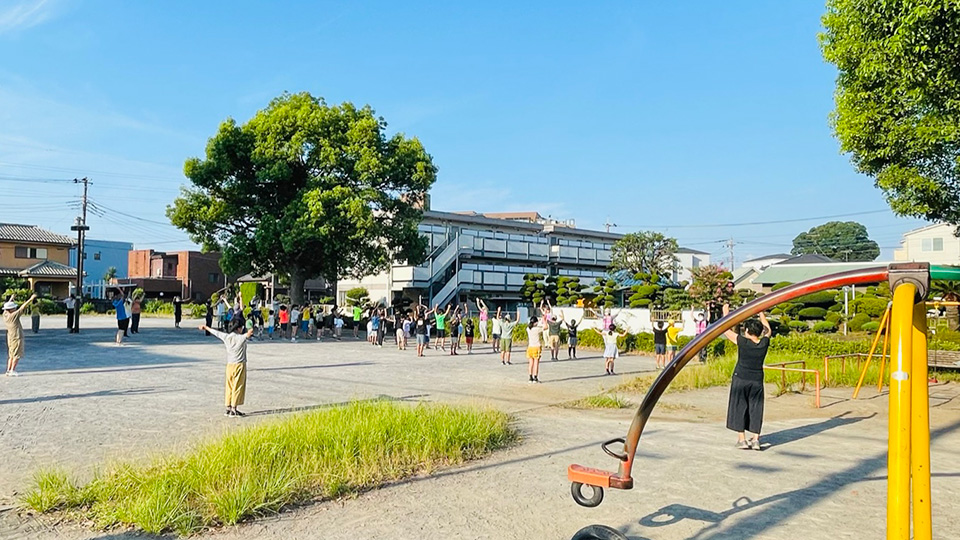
(214,277)
(96,256)
(22,252)
(932,244)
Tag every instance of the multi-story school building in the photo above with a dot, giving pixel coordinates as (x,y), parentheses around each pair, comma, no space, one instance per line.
(472,254)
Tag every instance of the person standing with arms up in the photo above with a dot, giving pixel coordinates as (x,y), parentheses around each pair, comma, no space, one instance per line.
(496,327)
(208,315)
(745,407)
(484,316)
(673,331)
(235,385)
(136,307)
(441,319)
(572,338)
(554,324)
(357,317)
(660,343)
(11,319)
(700,322)
(506,336)
(610,349)
(123,319)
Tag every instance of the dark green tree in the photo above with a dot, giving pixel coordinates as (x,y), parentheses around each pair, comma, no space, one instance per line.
(645,251)
(569,290)
(898,98)
(839,240)
(307,190)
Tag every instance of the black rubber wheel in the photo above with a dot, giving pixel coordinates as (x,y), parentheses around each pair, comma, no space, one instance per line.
(598,532)
(576,489)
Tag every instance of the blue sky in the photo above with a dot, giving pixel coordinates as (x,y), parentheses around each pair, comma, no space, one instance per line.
(681,117)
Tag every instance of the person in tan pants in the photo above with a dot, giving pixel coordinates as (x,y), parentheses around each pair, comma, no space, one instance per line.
(235,386)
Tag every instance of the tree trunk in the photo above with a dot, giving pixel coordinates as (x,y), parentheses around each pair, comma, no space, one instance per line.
(297,279)
(953,317)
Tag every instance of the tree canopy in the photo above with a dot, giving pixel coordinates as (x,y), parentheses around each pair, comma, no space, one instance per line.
(898,98)
(840,240)
(307,190)
(644,252)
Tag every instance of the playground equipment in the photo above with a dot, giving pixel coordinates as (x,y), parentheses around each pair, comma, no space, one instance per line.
(909,427)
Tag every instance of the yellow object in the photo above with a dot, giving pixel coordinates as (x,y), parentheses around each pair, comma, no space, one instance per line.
(920,429)
(873,348)
(235,386)
(898,454)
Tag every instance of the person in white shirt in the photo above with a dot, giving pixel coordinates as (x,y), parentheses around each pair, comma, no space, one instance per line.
(294,322)
(235,387)
(70,303)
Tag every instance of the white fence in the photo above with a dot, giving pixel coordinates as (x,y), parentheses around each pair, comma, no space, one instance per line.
(634,320)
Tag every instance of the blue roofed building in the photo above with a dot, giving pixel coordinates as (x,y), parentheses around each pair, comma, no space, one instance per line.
(99,255)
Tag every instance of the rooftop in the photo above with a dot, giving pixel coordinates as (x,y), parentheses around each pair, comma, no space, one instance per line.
(768,257)
(795,273)
(13,232)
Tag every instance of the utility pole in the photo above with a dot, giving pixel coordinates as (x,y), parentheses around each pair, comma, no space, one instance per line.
(730,243)
(81,227)
(607,225)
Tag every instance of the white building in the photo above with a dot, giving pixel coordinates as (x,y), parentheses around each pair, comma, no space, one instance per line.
(935,244)
(473,254)
(686,260)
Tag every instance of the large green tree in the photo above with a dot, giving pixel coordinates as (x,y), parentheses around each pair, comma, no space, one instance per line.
(646,252)
(307,190)
(840,240)
(898,98)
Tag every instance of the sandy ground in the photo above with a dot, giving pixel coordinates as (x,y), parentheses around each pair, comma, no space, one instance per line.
(822,476)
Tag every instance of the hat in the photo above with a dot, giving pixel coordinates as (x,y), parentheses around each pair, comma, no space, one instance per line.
(10,305)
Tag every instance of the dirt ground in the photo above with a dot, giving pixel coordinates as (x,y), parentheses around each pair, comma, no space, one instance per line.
(822,473)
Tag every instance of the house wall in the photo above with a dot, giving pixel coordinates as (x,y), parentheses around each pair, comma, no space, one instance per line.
(101,255)
(138,263)
(8,257)
(200,273)
(912,246)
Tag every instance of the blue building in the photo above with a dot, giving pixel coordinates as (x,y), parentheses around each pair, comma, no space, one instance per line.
(99,255)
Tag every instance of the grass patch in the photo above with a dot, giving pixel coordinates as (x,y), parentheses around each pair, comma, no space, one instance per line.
(719,371)
(600,401)
(259,470)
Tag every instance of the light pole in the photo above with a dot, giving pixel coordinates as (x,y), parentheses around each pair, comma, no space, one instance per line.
(846,308)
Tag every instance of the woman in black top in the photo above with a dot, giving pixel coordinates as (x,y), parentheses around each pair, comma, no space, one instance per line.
(745,408)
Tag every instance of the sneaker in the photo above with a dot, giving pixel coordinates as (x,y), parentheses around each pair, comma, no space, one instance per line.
(238,413)
(13,373)
(755,444)
(229,413)
(743,445)
(536,379)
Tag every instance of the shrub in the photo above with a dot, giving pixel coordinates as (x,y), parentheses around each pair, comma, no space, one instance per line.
(833,317)
(856,323)
(799,326)
(776,311)
(812,313)
(197,311)
(871,326)
(357,296)
(158,306)
(780,285)
(871,305)
(825,327)
(87,307)
(820,298)
(247,292)
(50,307)
(836,308)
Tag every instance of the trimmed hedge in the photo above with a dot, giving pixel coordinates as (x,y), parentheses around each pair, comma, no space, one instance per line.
(871,326)
(812,313)
(780,285)
(799,326)
(825,327)
(856,323)
(821,298)
(833,317)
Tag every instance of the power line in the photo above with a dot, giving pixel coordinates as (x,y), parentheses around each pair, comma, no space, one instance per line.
(747,224)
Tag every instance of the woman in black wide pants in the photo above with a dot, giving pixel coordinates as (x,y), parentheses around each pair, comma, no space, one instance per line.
(745,408)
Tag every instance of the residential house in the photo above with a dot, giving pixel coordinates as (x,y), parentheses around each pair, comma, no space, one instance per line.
(935,244)
(38,256)
(804,267)
(743,277)
(101,255)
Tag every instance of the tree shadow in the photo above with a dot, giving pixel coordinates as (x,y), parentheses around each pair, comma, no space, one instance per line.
(785,436)
(775,508)
(100,393)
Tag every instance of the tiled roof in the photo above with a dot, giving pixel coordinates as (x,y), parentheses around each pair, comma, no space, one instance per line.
(30,233)
(49,269)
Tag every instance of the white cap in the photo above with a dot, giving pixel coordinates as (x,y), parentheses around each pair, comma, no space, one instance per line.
(10,305)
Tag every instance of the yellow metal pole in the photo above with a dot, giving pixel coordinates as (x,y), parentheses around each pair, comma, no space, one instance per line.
(920,429)
(898,453)
(873,349)
(883,355)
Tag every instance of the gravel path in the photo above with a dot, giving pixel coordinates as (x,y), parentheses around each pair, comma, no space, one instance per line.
(822,477)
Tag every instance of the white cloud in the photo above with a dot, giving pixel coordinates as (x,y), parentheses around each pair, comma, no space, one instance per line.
(25,14)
